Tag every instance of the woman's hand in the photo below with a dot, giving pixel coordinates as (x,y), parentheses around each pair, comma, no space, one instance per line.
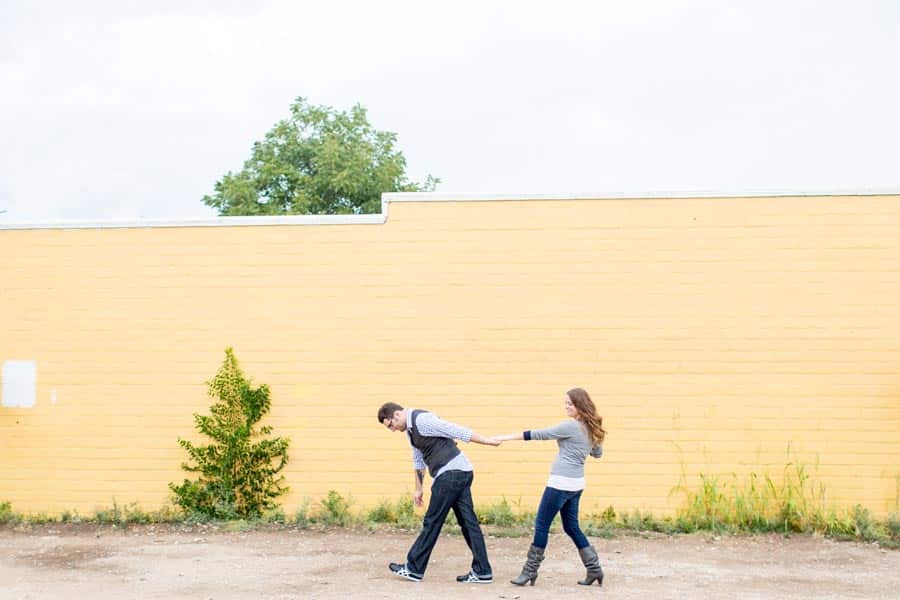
(487,441)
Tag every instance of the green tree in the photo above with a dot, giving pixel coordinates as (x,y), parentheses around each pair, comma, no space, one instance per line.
(318,161)
(238,476)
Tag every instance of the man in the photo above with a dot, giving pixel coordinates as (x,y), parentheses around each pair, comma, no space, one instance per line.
(451,472)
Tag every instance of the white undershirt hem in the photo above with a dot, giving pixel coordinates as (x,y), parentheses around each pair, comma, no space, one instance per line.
(566,484)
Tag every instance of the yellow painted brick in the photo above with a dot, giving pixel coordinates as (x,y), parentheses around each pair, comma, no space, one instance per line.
(713,334)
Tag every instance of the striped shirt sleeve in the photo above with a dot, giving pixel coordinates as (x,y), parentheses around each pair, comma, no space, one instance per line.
(418,459)
(431,425)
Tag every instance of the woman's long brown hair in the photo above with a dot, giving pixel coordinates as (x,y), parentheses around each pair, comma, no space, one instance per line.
(587,413)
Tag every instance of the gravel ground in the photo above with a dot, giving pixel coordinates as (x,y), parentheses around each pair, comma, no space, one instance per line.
(161,561)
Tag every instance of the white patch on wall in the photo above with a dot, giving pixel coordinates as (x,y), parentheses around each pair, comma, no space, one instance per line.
(19,383)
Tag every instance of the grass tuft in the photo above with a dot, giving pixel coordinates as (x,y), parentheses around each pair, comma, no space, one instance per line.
(794,502)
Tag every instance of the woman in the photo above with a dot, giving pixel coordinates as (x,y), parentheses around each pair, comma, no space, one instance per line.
(578,437)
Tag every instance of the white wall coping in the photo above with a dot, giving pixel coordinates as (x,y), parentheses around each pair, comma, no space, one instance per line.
(682,194)
(208,222)
(387,198)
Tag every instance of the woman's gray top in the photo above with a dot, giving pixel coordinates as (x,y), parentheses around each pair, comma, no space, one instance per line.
(574,447)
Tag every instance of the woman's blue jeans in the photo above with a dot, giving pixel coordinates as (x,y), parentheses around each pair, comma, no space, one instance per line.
(566,504)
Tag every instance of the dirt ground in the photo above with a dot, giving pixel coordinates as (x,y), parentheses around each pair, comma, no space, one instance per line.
(56,561)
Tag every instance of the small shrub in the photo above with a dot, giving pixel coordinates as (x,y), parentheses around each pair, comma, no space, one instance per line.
(41,518)
(238,474)
(891,537)
(400,513)
(108,515)
(135,514)
(406,513)
(383,512)
(241,525)
(601,529)
(608,515)
(168,514)
(302,519)
(499,514)
(69,517)
(275,516)
(865,527)
(7,516)
(336,510)
(893,526)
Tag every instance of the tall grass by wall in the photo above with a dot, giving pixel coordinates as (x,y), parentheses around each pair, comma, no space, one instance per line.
(794,502)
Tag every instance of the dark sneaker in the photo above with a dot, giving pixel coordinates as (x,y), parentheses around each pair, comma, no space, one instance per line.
(402,571)
(473,577)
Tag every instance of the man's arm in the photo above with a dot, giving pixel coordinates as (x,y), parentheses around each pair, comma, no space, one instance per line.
(417,495)
(431,425)
(480,439)
(418,474)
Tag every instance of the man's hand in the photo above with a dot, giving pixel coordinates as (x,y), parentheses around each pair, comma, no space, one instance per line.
(480,439)
(417,494)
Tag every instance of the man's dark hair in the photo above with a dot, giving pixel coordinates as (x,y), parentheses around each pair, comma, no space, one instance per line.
(387,411)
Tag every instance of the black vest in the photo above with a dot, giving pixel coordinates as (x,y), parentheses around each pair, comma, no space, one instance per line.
(437,451)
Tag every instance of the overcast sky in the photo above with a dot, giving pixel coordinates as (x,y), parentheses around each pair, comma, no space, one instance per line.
(119,110)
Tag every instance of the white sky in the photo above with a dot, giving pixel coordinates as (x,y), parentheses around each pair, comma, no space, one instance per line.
(114,110)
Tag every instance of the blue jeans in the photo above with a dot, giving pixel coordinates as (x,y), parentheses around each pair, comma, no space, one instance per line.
(451,490)
(566,504)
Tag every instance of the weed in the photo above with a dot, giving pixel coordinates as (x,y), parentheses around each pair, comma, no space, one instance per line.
(499,514)
(302,518)
(336,510)
(382,512)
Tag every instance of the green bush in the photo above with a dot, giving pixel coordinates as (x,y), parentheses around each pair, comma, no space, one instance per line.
(400,513)
(302,519)
(499,513)
(893,526)
(238,476)
(7,516)
(336,510)
(406,513)
(70,517)
(598,529)
(383,512)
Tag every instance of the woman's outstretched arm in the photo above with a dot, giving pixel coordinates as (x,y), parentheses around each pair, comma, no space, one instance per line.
(562,430)
(509,437)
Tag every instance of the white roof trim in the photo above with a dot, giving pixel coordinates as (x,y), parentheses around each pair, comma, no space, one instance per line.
(450,197)
(214,222)
(387,198)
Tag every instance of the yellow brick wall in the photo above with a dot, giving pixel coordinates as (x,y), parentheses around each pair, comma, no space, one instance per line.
(713,334)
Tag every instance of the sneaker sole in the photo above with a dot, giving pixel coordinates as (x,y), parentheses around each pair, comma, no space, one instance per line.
(407,577)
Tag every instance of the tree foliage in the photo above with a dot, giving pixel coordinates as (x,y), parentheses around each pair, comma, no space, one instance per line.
(317,161)
(238,475)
